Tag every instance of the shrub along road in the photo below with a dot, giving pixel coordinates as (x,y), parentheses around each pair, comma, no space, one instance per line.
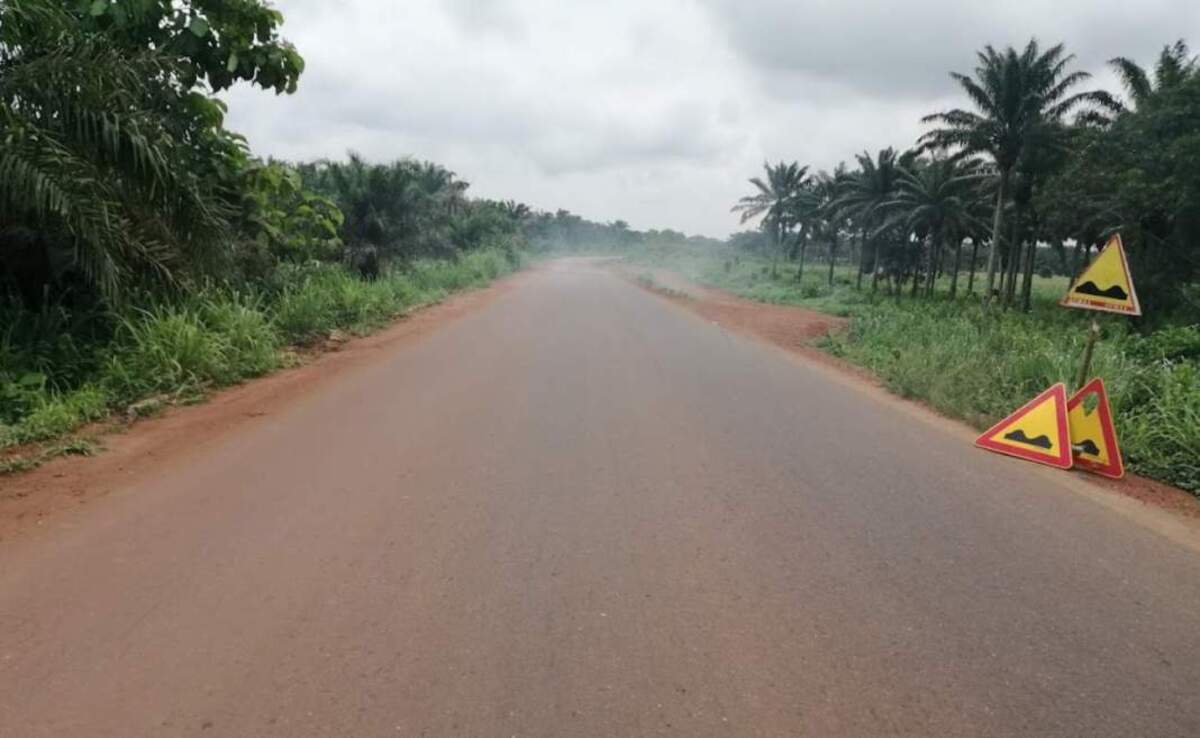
(581,510)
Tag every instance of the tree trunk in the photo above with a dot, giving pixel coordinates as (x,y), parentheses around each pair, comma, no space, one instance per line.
(1009,274)
(954,274)
(916,274)
(774,253)
(778,237)
(974,262)
(833,246)
(1061,252)
(1014,259)
(803,248)
(874,265)
(997,220)
(1027,286)
(803,251)
(1010,297)
(935,250)
(862,258)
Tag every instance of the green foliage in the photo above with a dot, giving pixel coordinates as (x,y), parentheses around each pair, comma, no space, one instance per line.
(218,42)
(1141,176)
(328,297)
(1158,421)
(57,415)
(218,336)
(92,173)
(978,365)
(283,222)
(1172,343)
(145,254)
(783,199)
(404,209)
(210,339)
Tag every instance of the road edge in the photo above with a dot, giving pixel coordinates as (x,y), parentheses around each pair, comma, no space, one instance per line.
(1179,527)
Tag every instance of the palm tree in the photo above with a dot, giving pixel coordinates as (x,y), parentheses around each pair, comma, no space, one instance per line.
(92,171)
(864,192)
(826,189)
(804,212)
(774,200)
(936,197)
(516,211)
(1175,66)
(1020,100)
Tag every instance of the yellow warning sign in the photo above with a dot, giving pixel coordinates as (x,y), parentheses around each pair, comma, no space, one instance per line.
(1106,284)
(1092,433)
(1036,432)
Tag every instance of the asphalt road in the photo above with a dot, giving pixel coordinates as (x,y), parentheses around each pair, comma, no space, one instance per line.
(583,511)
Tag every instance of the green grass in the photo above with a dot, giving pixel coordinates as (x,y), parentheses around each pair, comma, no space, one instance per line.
(980,366)
(179,350)
(67,447)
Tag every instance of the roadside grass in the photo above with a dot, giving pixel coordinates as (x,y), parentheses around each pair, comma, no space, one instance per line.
(52,384)
(979,366)
(647,280)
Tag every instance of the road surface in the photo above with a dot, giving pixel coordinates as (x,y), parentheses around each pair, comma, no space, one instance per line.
(583,511)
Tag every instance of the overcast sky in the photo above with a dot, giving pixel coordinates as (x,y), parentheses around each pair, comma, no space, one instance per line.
(654,111)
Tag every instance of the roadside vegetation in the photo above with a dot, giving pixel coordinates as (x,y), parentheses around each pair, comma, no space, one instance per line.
(147,256)
(976,365)
(950,256)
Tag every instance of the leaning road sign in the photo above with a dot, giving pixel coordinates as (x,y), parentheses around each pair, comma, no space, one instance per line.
(1093,436)
(1037,432)
(1106,284)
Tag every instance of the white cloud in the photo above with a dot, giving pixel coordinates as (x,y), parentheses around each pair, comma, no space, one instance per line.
(651,112)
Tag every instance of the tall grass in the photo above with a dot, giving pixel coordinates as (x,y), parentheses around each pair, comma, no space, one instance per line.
(215,337)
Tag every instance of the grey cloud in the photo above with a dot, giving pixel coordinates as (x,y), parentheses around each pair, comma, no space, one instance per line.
(654,112)
(905,50)
(498,16)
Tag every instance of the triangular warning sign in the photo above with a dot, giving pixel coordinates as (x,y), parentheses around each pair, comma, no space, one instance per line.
(1093,436)
(1105,284)
(1036,432)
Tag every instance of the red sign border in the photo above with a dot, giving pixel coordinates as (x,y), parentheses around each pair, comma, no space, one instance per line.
(1065,459)
(1115,469)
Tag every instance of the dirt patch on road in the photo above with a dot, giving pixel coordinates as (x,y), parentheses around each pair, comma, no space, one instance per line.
(793,328)
(131,450)
(798,329)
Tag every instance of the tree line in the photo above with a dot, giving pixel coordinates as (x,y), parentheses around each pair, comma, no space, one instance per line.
(119,179)
(1032,159)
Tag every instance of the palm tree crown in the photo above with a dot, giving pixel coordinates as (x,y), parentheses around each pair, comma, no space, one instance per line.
(1175,66)
(1021,101)
(776,195)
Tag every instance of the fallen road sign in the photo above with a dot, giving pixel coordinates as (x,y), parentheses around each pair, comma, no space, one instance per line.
(1106,284)
(1037,431)
(1093,436)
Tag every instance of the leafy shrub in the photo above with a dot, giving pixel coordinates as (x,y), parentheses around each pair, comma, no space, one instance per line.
(1170,343)
(55,415)
(61,414)
(20,395)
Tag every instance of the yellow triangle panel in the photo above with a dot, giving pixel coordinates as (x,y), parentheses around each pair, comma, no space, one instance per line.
(1106,284)
(1036,432)
(1093,436)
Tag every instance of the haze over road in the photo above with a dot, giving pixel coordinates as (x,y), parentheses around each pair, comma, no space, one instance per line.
(583,511)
